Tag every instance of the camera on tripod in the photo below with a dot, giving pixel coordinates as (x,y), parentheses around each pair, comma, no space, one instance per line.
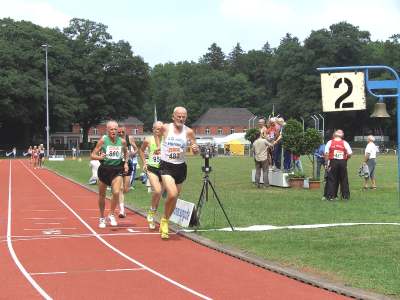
(206,152)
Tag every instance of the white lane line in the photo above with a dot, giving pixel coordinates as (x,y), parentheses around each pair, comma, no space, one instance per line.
(173,282)
(45,218)
(41,229)
(87,271)
(11,249)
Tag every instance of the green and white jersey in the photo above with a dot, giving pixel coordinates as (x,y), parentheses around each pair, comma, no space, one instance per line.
(113,151)
(153,159)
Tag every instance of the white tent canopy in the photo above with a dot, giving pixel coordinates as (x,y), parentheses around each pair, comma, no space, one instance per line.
(232,137)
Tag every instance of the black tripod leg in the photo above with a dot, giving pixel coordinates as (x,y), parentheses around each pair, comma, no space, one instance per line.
(220,204)
(200,204)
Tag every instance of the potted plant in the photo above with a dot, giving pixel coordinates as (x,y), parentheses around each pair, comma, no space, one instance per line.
(296,179)
(301,142)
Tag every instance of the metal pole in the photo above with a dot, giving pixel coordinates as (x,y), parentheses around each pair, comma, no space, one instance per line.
(45,46)
(303,122)
(316,117)
(323,126)
(254,120)
(315,121)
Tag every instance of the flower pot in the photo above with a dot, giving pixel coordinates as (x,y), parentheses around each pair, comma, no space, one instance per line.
(297,183)
(314,184)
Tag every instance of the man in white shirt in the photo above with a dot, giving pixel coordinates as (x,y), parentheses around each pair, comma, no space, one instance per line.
(369,160)
(337,152)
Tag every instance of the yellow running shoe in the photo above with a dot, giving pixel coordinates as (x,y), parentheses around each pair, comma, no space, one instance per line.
(150,219)
(164,229)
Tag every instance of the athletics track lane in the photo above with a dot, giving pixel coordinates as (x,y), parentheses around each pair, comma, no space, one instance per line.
(84,258)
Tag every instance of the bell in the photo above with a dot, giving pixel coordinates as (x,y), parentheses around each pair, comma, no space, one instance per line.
(380,111)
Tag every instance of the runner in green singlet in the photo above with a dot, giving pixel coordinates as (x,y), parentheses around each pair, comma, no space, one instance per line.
(151,165)
(112,153)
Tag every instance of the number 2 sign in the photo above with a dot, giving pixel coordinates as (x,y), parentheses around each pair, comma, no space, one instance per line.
(343,91)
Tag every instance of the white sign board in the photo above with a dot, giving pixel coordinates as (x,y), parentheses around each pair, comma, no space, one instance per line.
(182,213)
(343,91)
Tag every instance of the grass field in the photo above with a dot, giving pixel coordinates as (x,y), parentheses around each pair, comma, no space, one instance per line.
(364,256)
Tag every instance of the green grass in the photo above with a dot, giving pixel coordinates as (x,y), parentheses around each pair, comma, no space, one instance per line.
(366,257)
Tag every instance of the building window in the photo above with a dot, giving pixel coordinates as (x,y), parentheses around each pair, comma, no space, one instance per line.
(95,131)
(207,131)
(232,130)
(219,131)
(134,131)
(81,130)
(244,130)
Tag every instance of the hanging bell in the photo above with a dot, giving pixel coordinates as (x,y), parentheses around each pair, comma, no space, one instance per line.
(380,111)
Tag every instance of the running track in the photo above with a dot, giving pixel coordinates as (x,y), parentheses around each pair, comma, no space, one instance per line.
(50,247)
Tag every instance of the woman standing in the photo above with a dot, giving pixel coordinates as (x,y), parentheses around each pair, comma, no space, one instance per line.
(369,160)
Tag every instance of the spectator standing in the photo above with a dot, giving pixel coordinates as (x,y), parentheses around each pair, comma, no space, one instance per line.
(319,156)
(337,152)
(369,159)
(260,150)
(297,164)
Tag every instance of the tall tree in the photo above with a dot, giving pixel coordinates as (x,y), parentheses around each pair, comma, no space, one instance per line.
(215,57)
(109,80)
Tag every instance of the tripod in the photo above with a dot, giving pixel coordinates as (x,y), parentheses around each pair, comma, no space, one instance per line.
(204,192)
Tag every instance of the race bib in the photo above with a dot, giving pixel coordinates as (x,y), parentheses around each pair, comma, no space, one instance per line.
(156,158)
(174,152)
(113,152)
(337,154)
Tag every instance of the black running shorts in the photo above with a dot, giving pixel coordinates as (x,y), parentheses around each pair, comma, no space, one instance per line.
(155,171)
(130,169)
(176,171)
(107,174)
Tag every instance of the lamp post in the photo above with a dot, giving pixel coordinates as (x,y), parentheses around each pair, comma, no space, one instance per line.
(46,46)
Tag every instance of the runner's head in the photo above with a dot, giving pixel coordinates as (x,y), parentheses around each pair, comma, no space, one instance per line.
(157,127)
(121,131)
(179,116)
(112,129)
(339,134)
(261,123)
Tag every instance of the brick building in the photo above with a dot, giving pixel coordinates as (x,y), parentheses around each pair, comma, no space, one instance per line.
(217,122)
(133,126)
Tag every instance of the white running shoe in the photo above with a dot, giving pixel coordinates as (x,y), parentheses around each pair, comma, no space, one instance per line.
(102,223)
(112,220)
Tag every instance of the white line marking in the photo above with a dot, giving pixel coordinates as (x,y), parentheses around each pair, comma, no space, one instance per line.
(131,230)
(11,249)
(86,271)
(35,229)
(45,218)
(272,227)
(115,249)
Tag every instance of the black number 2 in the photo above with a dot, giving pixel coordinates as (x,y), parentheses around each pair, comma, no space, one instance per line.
(344,95)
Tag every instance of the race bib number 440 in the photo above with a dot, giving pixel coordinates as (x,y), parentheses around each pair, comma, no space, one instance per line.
(113,152)
(338,154)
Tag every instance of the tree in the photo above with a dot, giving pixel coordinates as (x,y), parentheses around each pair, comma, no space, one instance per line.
(215,58)
(109,80)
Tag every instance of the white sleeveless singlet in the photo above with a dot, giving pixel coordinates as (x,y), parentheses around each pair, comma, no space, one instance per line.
(173,147)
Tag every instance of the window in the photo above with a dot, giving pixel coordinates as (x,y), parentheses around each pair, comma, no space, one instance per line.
(81,130)
(95,131)
(232,130)
(219,131)
(134,131)
(244,130)
(207,131)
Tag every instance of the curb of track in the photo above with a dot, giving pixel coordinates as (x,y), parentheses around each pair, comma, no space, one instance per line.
(257,261)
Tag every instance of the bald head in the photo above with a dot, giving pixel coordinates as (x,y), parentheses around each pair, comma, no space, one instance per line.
(179,116)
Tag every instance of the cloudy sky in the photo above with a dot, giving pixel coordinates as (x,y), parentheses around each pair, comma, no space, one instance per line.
(177,30)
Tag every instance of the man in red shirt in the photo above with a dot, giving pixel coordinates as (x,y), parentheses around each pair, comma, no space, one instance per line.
(337,152)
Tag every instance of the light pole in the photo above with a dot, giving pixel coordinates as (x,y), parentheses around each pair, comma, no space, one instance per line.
(45,46)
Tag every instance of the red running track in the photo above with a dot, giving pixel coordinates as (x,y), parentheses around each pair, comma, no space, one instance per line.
(50,247)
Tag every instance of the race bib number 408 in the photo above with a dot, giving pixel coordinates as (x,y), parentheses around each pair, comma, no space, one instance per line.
(113,152)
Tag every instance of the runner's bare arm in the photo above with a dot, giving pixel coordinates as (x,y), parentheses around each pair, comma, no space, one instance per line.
(163,132)
(96,153)
(125,153)
(141,154)
(192,139)
(133,144)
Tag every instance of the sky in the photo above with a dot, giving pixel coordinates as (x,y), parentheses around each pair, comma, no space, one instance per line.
(164,31)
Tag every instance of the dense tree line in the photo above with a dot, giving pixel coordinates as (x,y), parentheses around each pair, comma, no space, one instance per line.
(92,78)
